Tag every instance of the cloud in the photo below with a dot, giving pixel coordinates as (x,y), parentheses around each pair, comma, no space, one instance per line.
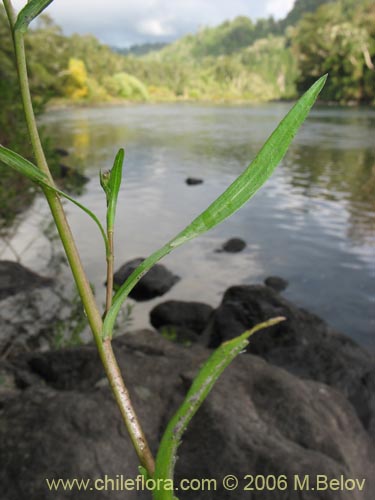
(122,23)
(279,8)
(154,28)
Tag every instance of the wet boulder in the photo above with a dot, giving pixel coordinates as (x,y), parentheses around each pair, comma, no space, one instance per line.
(191,315)
(66,173)
(155,283)
(304,344)
(61,152)
(233,245)
(193,181)
(276,283)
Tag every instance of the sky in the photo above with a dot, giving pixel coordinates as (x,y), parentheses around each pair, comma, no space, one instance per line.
(127,22)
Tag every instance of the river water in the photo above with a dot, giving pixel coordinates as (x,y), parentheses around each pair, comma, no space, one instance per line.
(313,223)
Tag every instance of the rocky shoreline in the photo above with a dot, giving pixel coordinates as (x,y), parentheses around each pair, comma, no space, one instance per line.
(300,402)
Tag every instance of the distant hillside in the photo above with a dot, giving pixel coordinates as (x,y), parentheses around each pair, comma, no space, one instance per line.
(239,60)
(263,70)
(140,49)
(236,61)
(242,60)
(230,36)
(225,39)
(299,9)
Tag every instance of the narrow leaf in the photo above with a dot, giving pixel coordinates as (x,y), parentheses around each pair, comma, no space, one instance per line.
(201,387)
(31,10)
(25,167)
(113,188)
(238,193)
(256,174)
(22,165)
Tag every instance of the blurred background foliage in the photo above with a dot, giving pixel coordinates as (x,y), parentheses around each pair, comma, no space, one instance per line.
(240,60)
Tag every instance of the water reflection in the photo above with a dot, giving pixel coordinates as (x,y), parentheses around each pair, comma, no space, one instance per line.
(344,176)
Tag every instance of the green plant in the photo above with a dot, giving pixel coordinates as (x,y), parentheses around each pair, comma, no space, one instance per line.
(239,192)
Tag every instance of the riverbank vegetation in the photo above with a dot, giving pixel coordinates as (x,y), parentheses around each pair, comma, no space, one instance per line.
(238,61)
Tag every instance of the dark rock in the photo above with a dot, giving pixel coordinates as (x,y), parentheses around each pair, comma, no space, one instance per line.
(193,181)
(61,152)
(259,419)
(303,344)
(192,315)
(179,334)
(233,245)
(15,278)
(155,283)
(281,429)
(28,320)
(68,173)
(278,284)
(33,310)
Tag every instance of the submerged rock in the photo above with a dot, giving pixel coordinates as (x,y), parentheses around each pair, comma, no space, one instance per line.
(65,173)
(193,181)
(59,420)
(61,152)
(191,315)
(278,284)
(155,283)
(233,245)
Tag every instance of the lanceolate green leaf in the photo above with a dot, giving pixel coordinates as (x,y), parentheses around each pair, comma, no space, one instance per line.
(202,385)
(30,12)
(238,193)
(22,165)
(25,167)
(111,182)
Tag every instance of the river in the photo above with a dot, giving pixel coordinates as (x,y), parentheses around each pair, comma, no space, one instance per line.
(313,223)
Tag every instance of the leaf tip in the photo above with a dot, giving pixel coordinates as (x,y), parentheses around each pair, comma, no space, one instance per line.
(120,156)
(319,84)
(275,321)
(262,326)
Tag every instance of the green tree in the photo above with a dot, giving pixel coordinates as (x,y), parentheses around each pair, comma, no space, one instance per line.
(49,57)
(126,86)
(15,190)
(338,39)
(300,8)
(76,80)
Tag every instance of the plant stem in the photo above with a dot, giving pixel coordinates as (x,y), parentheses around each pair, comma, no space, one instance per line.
(127,411)
(93,315)
(110,260)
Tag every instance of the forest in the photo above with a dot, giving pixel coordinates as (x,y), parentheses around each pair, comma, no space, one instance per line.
(238,61)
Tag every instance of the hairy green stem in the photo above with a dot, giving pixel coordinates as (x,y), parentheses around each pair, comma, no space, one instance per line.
(93,315)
